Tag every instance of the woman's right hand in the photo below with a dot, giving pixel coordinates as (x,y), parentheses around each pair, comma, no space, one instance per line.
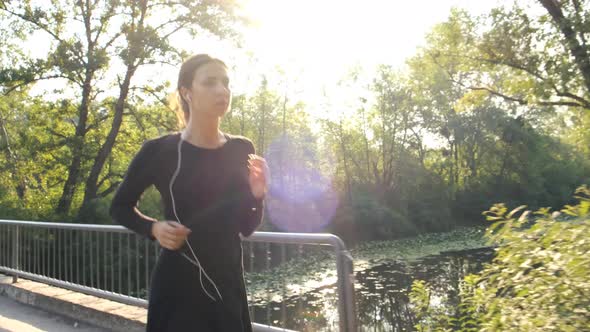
(170,234)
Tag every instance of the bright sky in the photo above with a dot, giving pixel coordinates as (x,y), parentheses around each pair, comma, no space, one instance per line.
(316,43)
(327,36)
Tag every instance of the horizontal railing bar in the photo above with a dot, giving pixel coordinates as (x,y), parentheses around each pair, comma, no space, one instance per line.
(267,328)
(298,238)
(275,237)
(78,288)
(60,225)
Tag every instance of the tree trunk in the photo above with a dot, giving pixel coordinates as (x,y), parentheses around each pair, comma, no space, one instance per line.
(133,60)
(283,145)
(367,155)
(91,191)
(20,186)
(452,169)
(261,128)
(242,120)
(345,163)
(577,50)
(504,165)
(77,147)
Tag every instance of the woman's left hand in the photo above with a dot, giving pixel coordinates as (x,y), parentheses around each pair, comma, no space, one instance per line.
(259,176)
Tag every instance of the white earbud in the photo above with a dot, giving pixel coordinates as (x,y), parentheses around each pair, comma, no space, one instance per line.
(188,97)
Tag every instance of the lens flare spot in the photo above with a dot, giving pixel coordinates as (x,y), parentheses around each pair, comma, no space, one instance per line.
(301,198)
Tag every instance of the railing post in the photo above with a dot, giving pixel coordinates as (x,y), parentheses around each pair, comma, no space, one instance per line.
(346,303)
(15,257)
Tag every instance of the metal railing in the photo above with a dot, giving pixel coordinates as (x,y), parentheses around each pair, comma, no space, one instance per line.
(110,261)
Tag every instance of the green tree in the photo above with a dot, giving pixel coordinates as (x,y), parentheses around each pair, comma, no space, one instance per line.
(537,281)
(88,39)
(523,57)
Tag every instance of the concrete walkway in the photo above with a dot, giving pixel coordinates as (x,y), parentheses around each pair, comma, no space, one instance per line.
(64,307)
(32,306)
(18,317)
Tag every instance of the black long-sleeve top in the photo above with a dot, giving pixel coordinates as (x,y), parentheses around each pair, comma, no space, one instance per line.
(213,199)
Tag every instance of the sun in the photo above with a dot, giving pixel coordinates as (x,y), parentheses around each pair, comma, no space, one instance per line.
(310,47)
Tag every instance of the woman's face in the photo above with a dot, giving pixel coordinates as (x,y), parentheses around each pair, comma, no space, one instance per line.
(209,93)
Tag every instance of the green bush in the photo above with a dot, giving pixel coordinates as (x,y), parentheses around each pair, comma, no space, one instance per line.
(538,281)
(378,221)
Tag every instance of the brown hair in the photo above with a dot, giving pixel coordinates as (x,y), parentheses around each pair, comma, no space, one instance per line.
(185,79)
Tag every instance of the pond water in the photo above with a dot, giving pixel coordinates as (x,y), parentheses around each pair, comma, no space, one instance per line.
(381,291)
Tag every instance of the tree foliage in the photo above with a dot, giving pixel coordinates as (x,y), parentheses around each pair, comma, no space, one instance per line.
(424,149)
(538,280)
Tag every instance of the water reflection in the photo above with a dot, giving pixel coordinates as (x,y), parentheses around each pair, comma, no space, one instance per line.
(381,294)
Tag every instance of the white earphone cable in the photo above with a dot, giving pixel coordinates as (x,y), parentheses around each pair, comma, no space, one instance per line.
(196,260)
